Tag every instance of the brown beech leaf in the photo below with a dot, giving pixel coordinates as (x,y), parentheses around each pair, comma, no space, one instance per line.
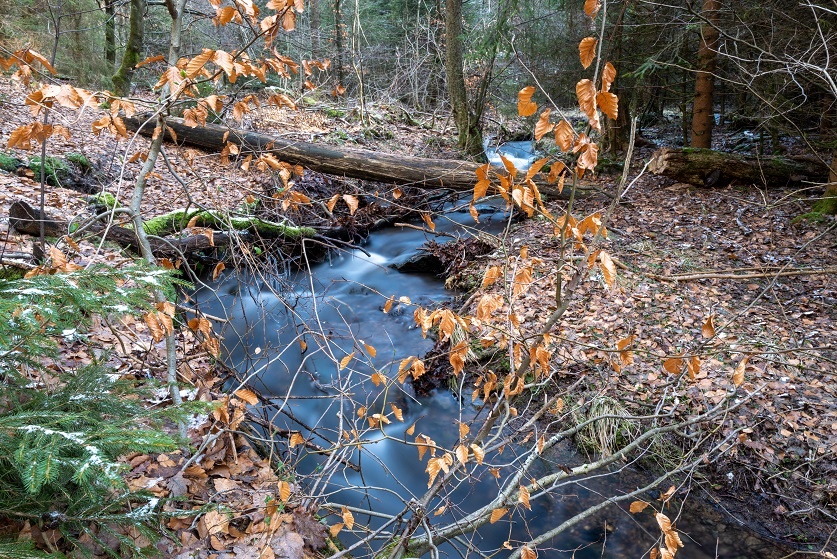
(738,375)
(351,201)
(586,93)
(608,268)
(475,215)
(346,360)
(536,167)
(608,76)
(673,365)
(664,522)
(527,552)
(194,67)
(693,367)
(673,541)
(708,329)
(462,453)
(587,51)
(149,60)
(479,453)
(332,202)
(609,104)
(247,395)
(348,518)
(638,506)
(523,497)
(591,7)
(668,494)
(334,530)
(543,125)
(589,158)
(525,105)
(219,267)
(510,168)
(564,135)
(497,514)
(284,491)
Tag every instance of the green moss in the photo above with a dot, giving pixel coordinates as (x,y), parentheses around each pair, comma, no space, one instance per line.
(10,273)
(178,219)
(56,169)
(9,163)
(331,112)
(166,224)
(826,206)
(105,199)
(79,160)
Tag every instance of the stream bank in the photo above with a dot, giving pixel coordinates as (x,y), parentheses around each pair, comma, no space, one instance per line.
(297,331)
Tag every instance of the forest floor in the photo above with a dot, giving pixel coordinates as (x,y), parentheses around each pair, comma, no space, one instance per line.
(685,254)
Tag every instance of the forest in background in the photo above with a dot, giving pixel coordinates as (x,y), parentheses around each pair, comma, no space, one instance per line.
(728,89)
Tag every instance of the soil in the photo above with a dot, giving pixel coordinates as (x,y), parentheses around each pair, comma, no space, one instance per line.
(781,331)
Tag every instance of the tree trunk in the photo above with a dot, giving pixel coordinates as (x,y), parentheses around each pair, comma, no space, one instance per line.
(314,24)
(110,33)
(828,204)
(338,43)
(617,131)
(133,49)
(467,125)
(705,167)
(340,161)
(703,115)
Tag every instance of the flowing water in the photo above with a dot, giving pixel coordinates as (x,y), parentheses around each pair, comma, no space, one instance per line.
(290,334)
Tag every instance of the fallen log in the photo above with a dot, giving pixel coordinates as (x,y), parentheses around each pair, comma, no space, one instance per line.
(706,167)
(340,161)
(26,219)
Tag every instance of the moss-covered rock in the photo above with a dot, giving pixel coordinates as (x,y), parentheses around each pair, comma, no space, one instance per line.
(9,163)
(56,170)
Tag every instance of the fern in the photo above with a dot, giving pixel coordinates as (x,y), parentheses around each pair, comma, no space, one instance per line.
(60,444)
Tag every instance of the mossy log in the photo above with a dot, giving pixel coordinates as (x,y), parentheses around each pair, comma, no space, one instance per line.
(341,161)
(26,219)
(176,220)
(706,167)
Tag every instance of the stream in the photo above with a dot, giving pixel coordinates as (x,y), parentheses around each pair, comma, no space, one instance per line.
(289,334)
